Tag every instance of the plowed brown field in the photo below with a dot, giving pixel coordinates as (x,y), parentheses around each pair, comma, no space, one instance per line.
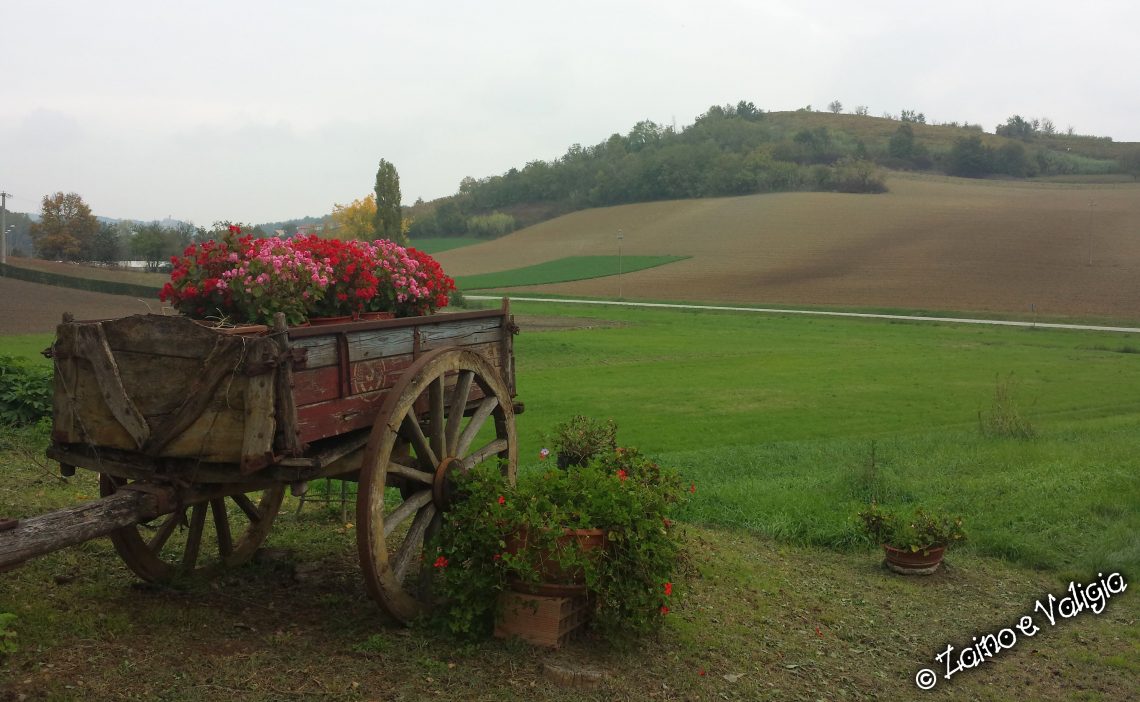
(930,243)
(31,308)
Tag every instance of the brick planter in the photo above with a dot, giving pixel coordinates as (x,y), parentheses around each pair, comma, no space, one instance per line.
(542,620)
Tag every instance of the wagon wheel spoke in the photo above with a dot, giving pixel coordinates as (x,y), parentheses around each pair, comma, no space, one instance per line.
(457,404)
(435,415)
(420,476)
(482,412)
(164,532)
(248,507)
(406,509)
(424,452)
(222,526)
(425,579)
(194,538)
(495,447)
(413,545)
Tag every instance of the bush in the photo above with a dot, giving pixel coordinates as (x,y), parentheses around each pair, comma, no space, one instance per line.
(498,533)
(25,392)
(579,439)
(489,226)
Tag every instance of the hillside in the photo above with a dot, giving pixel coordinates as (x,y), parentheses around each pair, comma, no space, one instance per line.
(932,242)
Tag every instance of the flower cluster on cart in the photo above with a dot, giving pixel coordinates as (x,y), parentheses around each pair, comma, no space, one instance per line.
(243,279)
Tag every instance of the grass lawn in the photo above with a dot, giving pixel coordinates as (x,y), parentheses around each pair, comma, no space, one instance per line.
(563,270)
(773,419)
(786,426)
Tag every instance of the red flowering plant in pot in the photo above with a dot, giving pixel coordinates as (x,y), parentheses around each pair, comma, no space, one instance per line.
(197,286)
(914,544)
(529,536)
(351,279)
(410,282)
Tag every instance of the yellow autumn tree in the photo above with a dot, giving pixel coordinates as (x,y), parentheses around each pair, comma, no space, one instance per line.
(356,220)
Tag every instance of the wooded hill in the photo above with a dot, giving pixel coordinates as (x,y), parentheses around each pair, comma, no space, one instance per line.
(740,149)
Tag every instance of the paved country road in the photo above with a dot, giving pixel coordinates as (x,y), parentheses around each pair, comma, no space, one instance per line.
(820,313)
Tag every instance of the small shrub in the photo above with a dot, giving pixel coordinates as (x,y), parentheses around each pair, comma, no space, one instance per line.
(920,531)
(499,532)
(25,392)
(578,440)
(1004,419)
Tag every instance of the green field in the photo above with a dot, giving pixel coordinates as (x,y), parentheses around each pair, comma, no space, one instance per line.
(563,270)
(434,245)
(773,418)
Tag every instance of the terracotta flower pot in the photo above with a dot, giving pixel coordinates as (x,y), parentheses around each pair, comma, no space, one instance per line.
(909,562)
(558,581)
(322,321)
(376,315)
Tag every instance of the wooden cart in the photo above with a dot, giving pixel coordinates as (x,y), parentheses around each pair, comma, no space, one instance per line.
(196,432)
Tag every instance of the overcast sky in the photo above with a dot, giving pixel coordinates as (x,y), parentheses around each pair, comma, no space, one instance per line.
(266,110)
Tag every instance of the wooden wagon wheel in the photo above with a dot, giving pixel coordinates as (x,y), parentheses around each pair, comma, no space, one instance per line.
(419,439)
(185,542)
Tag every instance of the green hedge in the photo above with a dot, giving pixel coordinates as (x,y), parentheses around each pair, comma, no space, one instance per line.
(66,281)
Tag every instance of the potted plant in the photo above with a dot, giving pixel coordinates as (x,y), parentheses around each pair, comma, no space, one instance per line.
(580,438)
(915,544)
(530,536)
(350,282)
(247,280)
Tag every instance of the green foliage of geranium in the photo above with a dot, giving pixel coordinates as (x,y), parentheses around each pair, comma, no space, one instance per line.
(919,531)
(495,534)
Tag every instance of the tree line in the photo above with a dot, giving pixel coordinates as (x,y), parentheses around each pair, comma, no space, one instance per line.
(737,150)
(728,150)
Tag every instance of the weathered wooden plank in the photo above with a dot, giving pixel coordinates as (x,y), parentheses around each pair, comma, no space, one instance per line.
(380,343)
(49,532)
(378,373)
(161,335)
(139,372)
(202,391)
(215,436)
(288,435)
(312,385)
(463,334)
(91,344)
(260,424)
(325,419)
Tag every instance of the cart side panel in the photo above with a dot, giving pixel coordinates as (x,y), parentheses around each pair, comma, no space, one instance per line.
(346,375)
(163,386)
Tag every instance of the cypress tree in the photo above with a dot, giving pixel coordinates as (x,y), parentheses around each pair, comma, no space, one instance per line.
(388,216)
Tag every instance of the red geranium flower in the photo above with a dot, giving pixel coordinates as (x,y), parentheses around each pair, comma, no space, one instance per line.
(441,562)
(622,475)
(668,589)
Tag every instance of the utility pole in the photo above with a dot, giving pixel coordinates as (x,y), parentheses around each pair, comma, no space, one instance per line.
(4,226)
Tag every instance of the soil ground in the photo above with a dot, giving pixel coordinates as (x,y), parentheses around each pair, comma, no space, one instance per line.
(31,308)
(930,243)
